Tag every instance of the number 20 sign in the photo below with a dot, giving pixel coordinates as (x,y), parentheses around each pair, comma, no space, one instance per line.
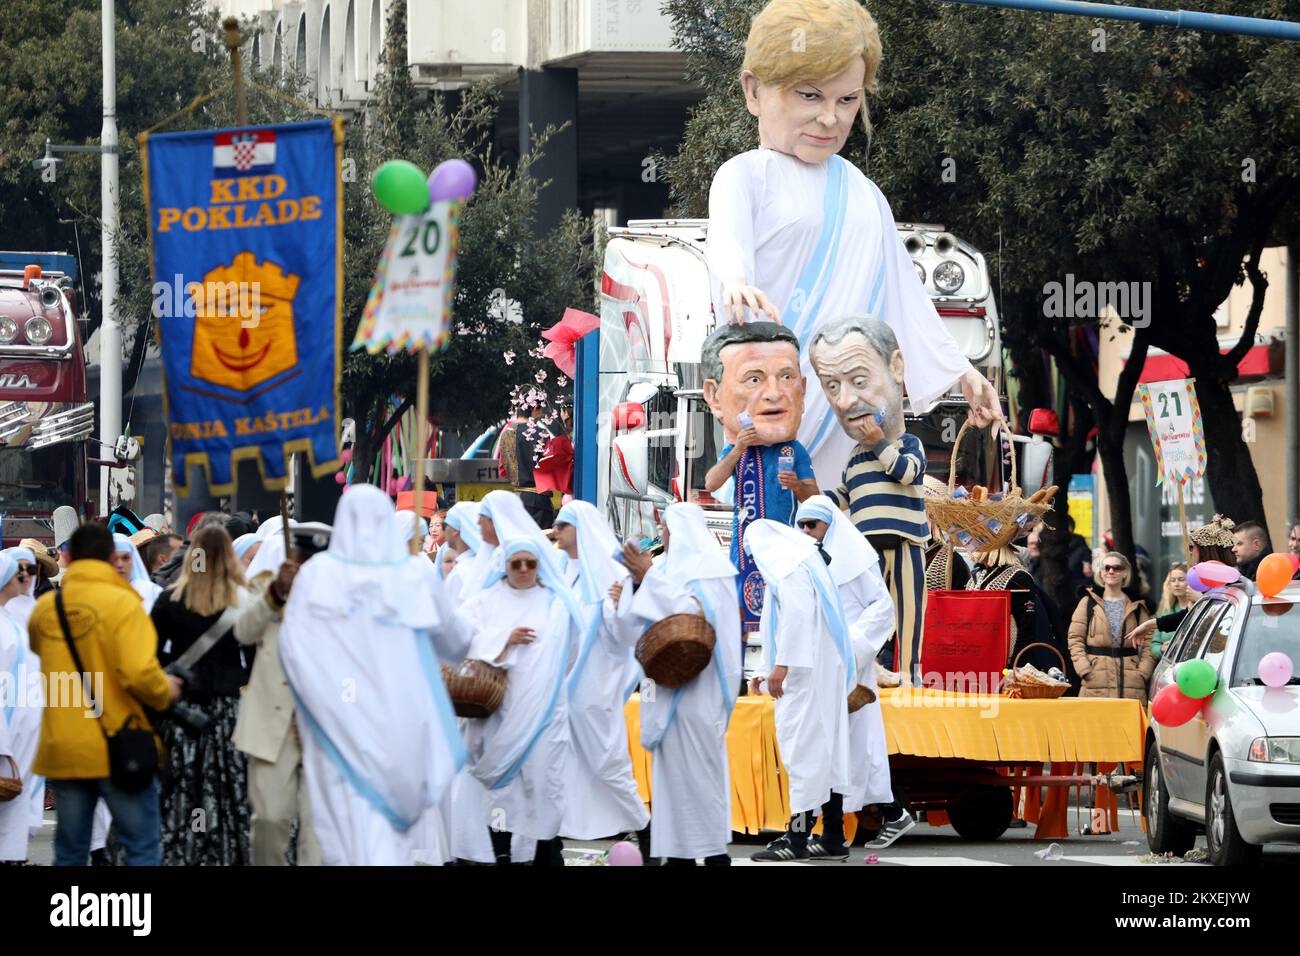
(1174,423)
(409,306)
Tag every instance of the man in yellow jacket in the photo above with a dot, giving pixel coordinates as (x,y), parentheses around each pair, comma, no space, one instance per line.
(119,650)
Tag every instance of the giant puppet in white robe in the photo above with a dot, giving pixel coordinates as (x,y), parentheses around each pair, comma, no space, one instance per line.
(602,797)
(521,753)
(869,613)
(685,728)
(805,634)
(21,700)
(380,743)
(800,231)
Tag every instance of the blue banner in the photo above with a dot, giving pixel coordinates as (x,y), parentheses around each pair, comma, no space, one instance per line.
(245,227)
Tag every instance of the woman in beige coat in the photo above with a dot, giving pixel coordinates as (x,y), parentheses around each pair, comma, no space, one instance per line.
(1110,662)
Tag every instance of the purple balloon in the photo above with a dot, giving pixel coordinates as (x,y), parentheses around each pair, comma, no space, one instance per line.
(452,179)
(624,853)
(1275,669)
(1194,581)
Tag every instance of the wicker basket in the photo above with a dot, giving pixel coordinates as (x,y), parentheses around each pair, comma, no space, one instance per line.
(860,696)
(676,649)
(476,688)
(10,786)
(976,526)
(1030,689)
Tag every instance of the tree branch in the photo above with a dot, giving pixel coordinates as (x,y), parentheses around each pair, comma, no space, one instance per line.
(1128,380)
(1259,284)
(393,419)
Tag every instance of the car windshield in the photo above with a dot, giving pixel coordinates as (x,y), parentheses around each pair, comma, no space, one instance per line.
(1270,627)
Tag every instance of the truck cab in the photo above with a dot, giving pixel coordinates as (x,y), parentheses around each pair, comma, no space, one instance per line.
(44,415)
(657,437)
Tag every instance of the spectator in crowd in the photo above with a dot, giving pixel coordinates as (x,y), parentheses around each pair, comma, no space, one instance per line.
(1176,596)
(1109,663)
(531,439)
(115,641)
(207,775)
(1293,539)
(266,730)
(1250,545)
(1078,558)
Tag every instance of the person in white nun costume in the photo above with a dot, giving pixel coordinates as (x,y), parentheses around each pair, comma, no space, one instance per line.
(128,563)
(869,612)
(685,728)
(460,527)
(20,606)
(21,700)
(602,798)
(527,622)
(811,669)
(379,737)
(246,546)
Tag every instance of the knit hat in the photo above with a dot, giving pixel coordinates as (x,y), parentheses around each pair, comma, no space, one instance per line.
(1218,533)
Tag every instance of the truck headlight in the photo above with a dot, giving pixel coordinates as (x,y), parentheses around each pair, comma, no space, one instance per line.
(8,330)
(1275,749)
(948,276)
(38,330)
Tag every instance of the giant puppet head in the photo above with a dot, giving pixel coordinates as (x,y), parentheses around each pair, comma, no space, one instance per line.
(754,367)
(860,368)
(808,67)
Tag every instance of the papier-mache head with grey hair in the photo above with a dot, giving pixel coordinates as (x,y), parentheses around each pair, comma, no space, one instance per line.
(754,367)
(860,367)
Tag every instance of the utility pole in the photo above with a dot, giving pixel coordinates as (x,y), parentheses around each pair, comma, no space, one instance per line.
(110,330)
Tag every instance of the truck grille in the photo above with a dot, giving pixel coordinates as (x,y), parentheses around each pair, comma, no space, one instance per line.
(1288,813)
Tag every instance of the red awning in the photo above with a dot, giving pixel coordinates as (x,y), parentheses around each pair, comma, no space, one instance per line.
(1165,368)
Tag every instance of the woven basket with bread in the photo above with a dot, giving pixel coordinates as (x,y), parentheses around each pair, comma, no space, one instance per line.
(1029,683)
(979,520)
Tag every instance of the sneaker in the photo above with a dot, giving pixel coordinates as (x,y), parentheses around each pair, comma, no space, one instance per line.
(817,850)
(891,830)
(780,850)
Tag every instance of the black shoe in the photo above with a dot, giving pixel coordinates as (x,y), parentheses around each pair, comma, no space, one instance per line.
(892,830)
(817,850)
(1017,825)
(100,857)
(780,850)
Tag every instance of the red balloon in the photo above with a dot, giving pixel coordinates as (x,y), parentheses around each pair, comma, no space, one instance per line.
(1173,708)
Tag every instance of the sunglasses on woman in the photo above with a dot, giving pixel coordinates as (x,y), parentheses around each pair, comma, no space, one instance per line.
(1112,567)
(523,564)
(806,525)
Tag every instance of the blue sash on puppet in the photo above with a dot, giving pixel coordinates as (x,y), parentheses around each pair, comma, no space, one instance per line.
(750,506)
(245,228)
(806,299)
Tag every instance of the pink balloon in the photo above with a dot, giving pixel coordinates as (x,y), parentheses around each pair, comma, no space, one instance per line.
(1275,669)
(452,179)
(1215,574)
(624,853)
(1173,708)
(340,478)
(1194,581)
(345,455)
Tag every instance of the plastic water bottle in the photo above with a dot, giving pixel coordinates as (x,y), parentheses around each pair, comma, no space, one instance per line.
(746,420)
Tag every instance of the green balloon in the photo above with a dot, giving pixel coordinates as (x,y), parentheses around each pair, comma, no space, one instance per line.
(1196,678)
(400,187)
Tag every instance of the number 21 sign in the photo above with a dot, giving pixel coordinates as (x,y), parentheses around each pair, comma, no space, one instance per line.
(1174,422)
(409,306)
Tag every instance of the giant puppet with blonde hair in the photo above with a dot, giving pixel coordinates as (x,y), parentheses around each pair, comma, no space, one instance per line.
(799,233)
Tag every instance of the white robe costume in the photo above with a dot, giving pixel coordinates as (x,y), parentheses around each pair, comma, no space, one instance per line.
(820,240)
(20,608)
(21,701)
(602,798)
(685,728)
(804,630)
(379,737)
(869,613)
(521,752)
(463,516)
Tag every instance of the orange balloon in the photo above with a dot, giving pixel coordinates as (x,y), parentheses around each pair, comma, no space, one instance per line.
(1273,574)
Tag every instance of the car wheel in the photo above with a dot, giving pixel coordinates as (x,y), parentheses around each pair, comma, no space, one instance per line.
(1224,842)
(982,814)
(1166,833)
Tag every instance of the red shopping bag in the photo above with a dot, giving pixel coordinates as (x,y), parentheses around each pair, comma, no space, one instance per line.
(965,640)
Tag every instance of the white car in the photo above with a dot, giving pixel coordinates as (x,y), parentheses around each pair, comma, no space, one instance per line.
(1233,770)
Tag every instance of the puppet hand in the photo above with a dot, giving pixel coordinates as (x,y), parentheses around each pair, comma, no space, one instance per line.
(872,434)
(983,400)
(736,297)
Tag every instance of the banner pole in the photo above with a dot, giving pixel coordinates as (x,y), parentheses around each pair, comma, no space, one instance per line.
(232,41)
(421,430)
(284,525)
(1182,520)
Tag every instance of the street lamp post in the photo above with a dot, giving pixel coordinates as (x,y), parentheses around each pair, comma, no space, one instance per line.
(110,330)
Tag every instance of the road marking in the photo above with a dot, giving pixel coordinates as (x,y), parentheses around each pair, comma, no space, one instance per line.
(938,861)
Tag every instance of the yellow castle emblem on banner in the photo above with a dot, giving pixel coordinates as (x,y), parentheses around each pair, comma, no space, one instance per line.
(243,328)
